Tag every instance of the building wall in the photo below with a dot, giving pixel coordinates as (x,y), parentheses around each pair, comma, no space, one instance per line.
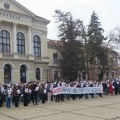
(93,70)
(19,19)
(53,66)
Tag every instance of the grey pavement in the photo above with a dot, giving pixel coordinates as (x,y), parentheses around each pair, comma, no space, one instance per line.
(105,108)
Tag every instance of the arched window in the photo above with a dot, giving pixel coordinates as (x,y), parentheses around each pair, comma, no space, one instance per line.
(37,74)
(7,73)
(20,43)
(4,41)
(37,46)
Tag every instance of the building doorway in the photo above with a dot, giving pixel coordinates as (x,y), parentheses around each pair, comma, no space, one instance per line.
(37,73)
(23,74)
(7,73)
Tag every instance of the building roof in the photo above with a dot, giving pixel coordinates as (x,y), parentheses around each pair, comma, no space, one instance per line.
(54,43)
(30,13)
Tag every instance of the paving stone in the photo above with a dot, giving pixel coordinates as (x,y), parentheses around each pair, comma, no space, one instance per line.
(105,108)
(66,116)
(3,117)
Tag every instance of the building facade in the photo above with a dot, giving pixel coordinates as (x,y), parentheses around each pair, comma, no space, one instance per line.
(25,53)
(23,44)
(54,55)
(54,71)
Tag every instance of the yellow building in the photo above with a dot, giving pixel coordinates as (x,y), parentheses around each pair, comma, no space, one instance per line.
(54,71)
(23,44)
(54,55)
(25,53)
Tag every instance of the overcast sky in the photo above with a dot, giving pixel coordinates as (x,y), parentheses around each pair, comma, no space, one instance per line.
(108,12)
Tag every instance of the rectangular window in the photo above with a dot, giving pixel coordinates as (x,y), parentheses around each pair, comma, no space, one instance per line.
(55,74)
(55,58)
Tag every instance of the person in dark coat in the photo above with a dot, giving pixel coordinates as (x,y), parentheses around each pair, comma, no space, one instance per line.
(36,93)
(16,95)
(116,87)
(25,96)
(43,92)
(32,97)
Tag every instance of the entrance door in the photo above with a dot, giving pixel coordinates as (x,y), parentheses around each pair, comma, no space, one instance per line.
(7,73)
(23,74)
(37,73)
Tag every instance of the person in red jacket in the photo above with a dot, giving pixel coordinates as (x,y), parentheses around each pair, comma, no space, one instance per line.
(111,88)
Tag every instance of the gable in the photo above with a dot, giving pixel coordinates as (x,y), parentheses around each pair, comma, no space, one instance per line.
(14,6)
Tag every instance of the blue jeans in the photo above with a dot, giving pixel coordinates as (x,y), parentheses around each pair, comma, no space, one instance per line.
(8,102)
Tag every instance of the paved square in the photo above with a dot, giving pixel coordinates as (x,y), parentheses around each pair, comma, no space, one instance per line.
(105,108)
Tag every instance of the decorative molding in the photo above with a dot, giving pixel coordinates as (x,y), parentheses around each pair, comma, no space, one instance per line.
(6,5)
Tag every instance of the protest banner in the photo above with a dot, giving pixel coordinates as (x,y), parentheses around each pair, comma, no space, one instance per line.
(74,90)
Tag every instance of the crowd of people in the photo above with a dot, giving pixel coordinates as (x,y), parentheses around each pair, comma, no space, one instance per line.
(35,92)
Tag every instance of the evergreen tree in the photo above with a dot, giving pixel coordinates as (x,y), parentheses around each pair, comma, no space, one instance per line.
(72,57)
(95,36)
(95,48)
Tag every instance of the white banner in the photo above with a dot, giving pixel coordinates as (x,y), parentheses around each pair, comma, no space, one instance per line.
(74,90)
